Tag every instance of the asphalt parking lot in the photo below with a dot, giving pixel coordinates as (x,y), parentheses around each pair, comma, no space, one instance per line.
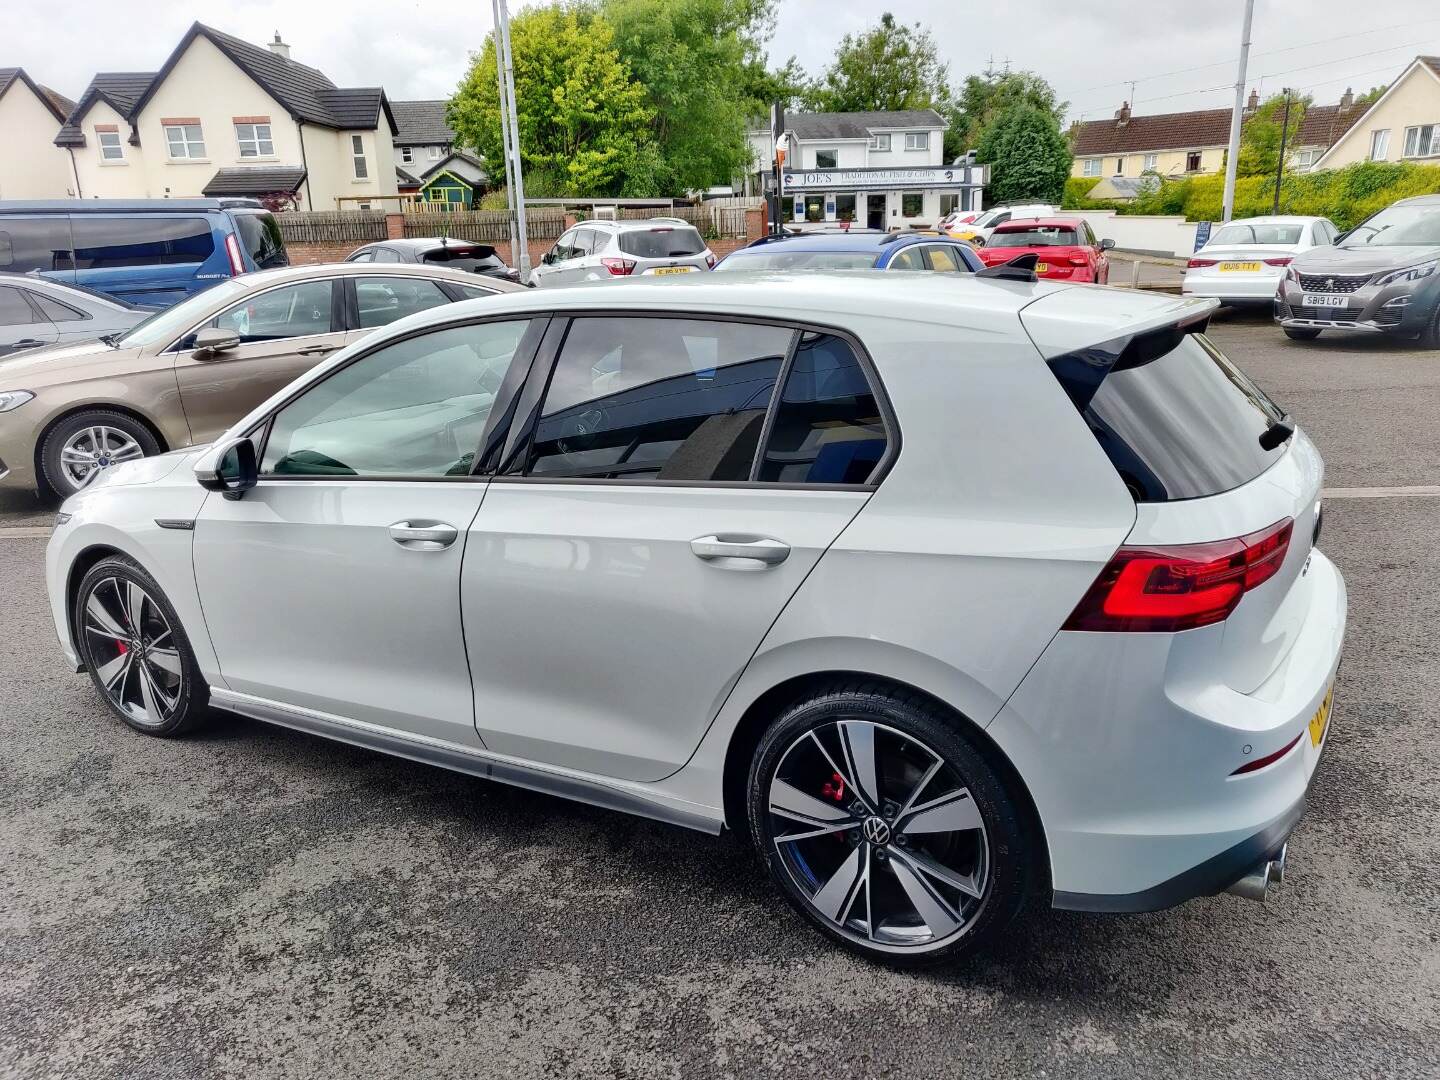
(254,901)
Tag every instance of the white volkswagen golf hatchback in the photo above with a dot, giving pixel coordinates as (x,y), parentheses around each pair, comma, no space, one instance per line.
(952,593)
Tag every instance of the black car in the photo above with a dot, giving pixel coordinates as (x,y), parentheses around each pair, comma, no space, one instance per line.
(456,254)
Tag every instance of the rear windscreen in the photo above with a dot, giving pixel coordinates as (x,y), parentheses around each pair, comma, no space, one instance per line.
(1184,425)
(260,236)
(1039,236)
(799,260)
(469,259)
(662,243)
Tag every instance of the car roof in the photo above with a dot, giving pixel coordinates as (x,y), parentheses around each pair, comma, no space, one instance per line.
(262,279)
(426,242)
(632,224)
(1043,222)
(1271,219)
(858,242)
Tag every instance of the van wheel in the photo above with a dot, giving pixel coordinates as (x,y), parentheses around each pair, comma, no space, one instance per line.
(886,828)
(1300,333)
(81,447)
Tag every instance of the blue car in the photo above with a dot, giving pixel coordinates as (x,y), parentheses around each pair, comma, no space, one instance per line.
(147,252)
(854,251)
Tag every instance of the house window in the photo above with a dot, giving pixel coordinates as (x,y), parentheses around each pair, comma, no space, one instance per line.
(434,153)
(1152,163)
(1119,166)
(917,140)
(1423,141)
(1305,158)
(357,154)
(407,155)
(949,204)
(111,148)
(1092,167)
(1192,161)
(912,204)
(254,140)
(827,159)
(184,141)
(1379,144)
(880,142)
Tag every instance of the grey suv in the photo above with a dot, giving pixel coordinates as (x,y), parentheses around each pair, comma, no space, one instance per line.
(1382,277)
(599,250)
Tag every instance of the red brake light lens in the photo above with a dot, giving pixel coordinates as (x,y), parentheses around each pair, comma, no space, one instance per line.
(618,267)
(1169,589)
(1079,260)
(1201,262)
(232,248)
(1283,260)
(710,259)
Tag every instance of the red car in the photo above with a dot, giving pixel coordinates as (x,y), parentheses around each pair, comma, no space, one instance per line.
(1067,248)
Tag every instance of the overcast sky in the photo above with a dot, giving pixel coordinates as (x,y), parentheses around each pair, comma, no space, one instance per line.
(1182,52)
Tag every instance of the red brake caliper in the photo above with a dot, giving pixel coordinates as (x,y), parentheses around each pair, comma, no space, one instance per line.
(121,646)
(834,788)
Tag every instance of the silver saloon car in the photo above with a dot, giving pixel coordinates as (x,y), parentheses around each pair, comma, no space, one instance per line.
(35,312)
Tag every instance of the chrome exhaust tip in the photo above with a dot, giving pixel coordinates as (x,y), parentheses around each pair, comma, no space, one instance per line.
(1256,882)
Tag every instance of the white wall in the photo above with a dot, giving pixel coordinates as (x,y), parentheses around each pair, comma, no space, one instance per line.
(1156,234)
(898,157)
(31,165)
(100,179)
(851,155)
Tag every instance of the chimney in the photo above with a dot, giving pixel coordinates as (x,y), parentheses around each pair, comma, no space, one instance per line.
(279,48)
(1253,103)
(1348,98)
(1122,117)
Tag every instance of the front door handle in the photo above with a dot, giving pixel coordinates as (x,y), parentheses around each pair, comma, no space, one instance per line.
(738,552)
(316,350)
(423,535)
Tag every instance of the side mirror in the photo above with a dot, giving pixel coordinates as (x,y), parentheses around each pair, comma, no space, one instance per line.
(229,467)
(210,340)
(1107,244)
(1336,242)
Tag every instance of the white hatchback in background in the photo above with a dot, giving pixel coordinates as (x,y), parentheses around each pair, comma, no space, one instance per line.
(1244,261)
(600,250)
(982,226)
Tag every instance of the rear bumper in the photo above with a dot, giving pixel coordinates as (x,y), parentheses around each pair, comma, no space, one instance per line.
(1238,289)
(1128,747)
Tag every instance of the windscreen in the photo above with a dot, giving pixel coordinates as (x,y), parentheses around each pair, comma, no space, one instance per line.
(1242,233)
(1399,226)
(662,243)
(1035,236)
(799,260)
(171,321)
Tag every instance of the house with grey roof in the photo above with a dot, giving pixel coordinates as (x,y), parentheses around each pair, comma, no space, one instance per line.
(881,170)
(423,137)
(223,116)
(30,114)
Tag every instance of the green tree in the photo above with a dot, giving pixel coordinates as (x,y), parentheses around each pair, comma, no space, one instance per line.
(984,97)
(1029,158)
(787,84)
(696,60)
(1260,135)
(891,66)
(584,120)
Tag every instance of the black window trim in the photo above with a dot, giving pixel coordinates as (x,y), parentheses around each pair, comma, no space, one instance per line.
(520,443)
(32,297)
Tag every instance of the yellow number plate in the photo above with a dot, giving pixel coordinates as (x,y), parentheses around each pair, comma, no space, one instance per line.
(674,269)
(1230,267)
(1040,268)
(1321,719)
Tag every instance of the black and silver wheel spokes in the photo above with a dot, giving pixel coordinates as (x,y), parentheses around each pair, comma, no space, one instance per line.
(132,647)
(880,834)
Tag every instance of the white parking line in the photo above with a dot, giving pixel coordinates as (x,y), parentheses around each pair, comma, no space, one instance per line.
(1422,491)
(24,532)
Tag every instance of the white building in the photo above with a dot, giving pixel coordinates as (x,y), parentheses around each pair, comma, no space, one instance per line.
(423,138)
(881,170)
(31,166)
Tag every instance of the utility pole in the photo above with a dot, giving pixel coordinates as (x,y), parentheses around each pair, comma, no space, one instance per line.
(510,132)
(1232,159)
(1280,165)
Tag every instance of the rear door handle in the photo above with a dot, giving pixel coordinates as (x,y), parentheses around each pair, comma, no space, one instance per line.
(316,350)
(423,535)
(739,552)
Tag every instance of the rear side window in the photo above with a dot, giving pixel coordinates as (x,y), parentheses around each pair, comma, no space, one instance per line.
(1184,425)
(14,311)
(140,240)
(54,310)
(260,236)
(662,243)
(658,399)
(34,243)
(827,428)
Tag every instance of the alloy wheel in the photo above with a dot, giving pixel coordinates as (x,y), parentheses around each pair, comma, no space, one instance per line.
(93,449)
(132,648)
(880,835)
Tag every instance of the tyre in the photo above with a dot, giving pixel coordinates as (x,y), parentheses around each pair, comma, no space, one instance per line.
(887,828)
(1300,333)
(136,650)
(80,447)
(1430,336)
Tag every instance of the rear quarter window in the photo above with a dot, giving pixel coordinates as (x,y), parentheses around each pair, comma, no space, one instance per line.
(260,236)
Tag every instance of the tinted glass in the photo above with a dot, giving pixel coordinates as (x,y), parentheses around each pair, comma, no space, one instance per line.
(139,240)
(827,428)
(1183,426)
(662,242)
(1035,236)
(470,258)
(260,236)
(383,300)
(798,260)
(14,311)
(34,243)
(414,408)
(659,399)
(293,311)
(54,310)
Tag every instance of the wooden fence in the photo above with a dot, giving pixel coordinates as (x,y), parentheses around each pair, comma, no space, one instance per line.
(332,226)
(723,222)
(486,226)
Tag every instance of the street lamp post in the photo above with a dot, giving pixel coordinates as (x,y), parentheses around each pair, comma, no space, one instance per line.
(510,139)
(1231,160)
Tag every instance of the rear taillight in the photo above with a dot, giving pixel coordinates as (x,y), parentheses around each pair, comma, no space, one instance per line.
(232,248)
(1283,260)
(1168,589)
(1079,260)
(619,267)
(1201,262)
(710,259)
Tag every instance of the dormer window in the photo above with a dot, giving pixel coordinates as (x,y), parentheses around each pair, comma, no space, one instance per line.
(107,137)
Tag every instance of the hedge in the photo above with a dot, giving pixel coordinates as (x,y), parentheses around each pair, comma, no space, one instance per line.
(1346,196)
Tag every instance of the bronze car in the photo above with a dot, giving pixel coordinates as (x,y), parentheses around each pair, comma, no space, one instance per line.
(187,373)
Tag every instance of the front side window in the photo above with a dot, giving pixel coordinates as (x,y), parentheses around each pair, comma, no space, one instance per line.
(383,300)
(254,140)
(658,399)
(412,408)
(184,141)
(917,140)
(827,427)
(111,148)
(140,240)
(357,157)
(561,251)
(1422,141)
(1379,144)
(292,311)
(1092,167)
(909,259)
(827,159)
(944,259)
(912,204)
(880,142)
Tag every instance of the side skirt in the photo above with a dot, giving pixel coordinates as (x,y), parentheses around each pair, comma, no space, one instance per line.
(628,798)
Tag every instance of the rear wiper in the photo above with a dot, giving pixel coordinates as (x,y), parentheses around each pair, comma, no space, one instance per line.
(1278,431)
